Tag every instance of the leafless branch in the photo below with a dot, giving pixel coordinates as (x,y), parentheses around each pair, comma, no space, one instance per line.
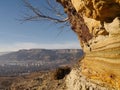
(39,15)
(55,9)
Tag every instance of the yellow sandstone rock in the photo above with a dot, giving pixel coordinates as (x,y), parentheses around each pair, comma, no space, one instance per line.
(103,10)
(97,24)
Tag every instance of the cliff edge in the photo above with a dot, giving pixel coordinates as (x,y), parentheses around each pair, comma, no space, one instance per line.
(97,25)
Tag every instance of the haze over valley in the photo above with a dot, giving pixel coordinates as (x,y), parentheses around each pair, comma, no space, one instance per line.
(26,61)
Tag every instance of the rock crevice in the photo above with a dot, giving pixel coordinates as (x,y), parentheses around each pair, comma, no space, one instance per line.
(97,25)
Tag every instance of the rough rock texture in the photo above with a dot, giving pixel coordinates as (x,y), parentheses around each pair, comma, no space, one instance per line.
(34,81)
(97,8)
(97,24)
(76,81)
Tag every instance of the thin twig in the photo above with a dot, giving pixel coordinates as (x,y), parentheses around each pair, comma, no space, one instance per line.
(39,14)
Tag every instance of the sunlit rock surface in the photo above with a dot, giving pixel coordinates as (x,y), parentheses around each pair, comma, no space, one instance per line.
(103,10)
(97,24)
(103,61)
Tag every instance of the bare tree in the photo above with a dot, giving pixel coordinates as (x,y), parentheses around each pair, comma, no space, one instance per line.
(58,16)
(55,14)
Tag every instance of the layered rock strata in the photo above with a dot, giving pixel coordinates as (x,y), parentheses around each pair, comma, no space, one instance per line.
(97,24)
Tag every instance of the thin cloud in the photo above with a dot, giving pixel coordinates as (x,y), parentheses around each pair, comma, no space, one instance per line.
(29,45)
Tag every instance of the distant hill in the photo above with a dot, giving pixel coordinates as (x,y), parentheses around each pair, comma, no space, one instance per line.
(42,54)
(2,53)
(34,60)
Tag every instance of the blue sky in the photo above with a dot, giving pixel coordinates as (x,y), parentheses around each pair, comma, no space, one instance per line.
(15,36)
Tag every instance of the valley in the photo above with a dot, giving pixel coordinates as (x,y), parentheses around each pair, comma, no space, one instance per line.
(24,62)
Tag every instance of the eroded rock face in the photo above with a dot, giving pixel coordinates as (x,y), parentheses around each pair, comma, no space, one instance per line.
(76,81)
(97,24)
(103,61)
(103,10)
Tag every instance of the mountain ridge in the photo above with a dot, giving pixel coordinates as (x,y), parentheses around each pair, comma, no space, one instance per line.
(37,54)
(32,60)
